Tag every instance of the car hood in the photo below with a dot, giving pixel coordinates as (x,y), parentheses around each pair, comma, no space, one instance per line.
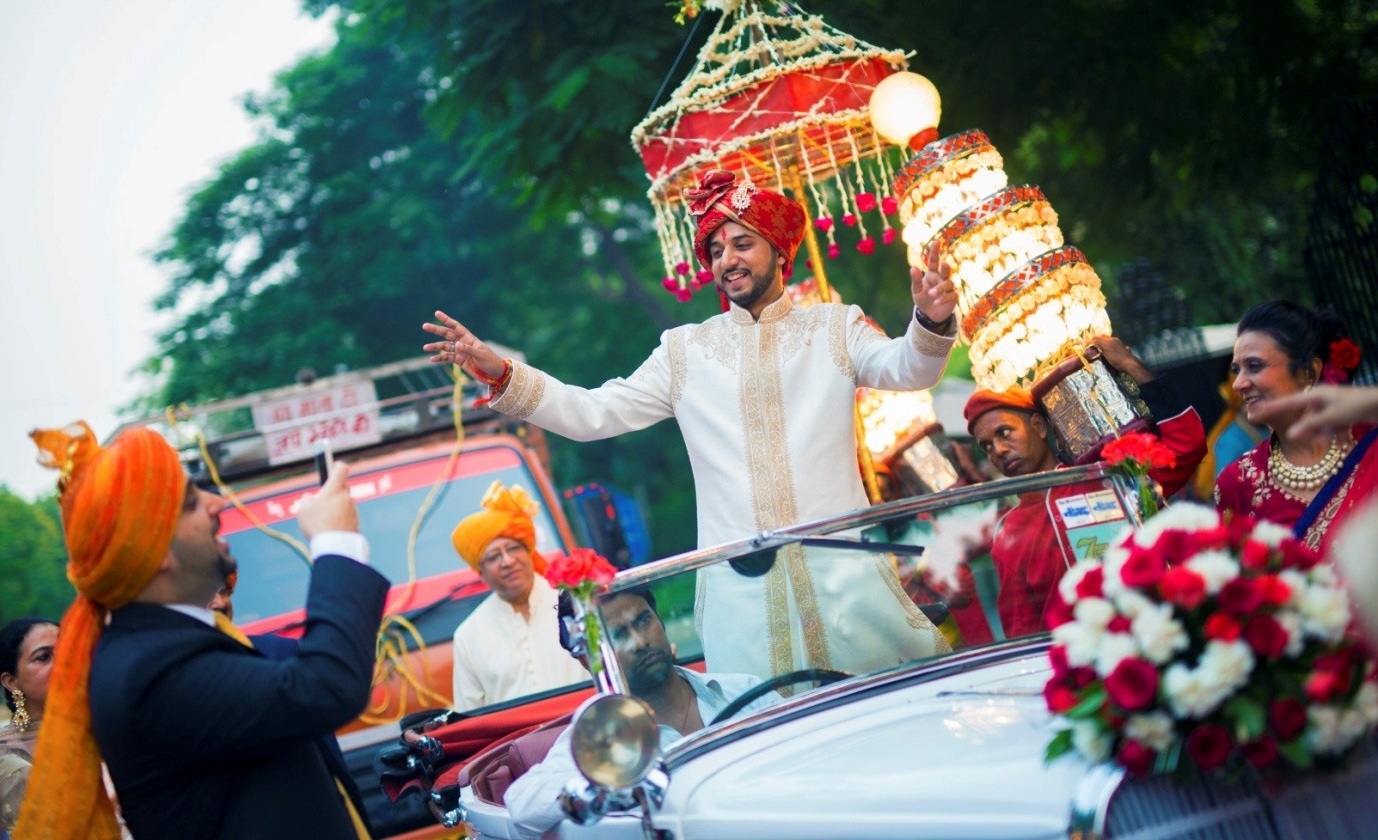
(957,757)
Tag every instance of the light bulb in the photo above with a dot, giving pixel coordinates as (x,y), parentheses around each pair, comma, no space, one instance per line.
(905,108)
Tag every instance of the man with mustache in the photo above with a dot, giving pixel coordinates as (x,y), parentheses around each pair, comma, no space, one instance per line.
(765,397)
(683,702)
(1031,550)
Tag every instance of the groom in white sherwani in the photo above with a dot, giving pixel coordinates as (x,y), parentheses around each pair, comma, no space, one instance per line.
(764,395)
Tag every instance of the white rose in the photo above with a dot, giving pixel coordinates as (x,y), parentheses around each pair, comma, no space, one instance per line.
(1154,730)
(1227,664)
(1112,584)
(1297,584)
(1323,734)
(1158,633)
(1324,574)
(1131,602)
(1325,613)
(1114,647)
(1270,534)
(1095,613)
(1352,726)
(1091,741)
(1180,516)
(1082,642)
(1366,701)
(1216,568)
(1186,694)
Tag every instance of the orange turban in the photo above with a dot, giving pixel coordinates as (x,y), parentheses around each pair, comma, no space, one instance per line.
(720,199)
(507,512)
(983,401)
(120,507)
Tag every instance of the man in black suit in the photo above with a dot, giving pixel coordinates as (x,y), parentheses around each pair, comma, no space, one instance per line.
(207,737)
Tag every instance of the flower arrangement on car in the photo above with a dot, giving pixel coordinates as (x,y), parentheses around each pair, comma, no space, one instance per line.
(582,573)
(1226,640)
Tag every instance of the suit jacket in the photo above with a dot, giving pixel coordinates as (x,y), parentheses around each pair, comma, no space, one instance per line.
(280,648)
(206,738)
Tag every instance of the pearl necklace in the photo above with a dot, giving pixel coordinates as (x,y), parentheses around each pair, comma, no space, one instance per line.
(1304,479)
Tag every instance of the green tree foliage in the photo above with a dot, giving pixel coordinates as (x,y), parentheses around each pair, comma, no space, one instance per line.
(473,155)
(33,579)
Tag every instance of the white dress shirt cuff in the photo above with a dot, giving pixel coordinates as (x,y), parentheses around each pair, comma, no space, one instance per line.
(349,544)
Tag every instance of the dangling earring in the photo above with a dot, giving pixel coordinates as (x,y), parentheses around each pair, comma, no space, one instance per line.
(21,712)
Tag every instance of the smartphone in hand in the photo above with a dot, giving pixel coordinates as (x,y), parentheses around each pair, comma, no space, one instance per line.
(325,459)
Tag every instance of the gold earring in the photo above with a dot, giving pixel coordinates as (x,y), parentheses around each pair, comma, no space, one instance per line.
(21,712)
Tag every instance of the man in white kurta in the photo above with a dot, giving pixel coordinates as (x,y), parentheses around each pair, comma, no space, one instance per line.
(509,646)
(764,395)
(501,654)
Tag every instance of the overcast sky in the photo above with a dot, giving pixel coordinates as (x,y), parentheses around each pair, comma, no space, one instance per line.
(110,114)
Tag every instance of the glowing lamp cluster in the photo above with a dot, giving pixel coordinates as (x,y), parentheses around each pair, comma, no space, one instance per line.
(888,417)
(1025,298)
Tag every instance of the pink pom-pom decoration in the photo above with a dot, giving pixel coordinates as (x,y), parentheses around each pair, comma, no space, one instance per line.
(684,295)
(823,223)
(867,245)
(865,202)
(889,206)
(849,219)
(671,284)
(682,267)
(834,251)
(703,277)
(888,236)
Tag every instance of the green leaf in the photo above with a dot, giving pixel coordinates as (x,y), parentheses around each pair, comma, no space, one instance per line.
(1058,747)
(1248,716)
(1295,751)
(1089,705)
(1169,758)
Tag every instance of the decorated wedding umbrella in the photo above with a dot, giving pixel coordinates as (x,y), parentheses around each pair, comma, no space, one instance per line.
(781,98)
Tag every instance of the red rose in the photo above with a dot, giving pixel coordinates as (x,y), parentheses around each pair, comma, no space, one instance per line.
(1119,624)
(1239,528)
(1211,539)
(1059,696)
(1057,658)
(1273,589)
(1091,583)
(1266,636)
(1140,448)
(1183,587)
(1240,597)
(581,566)
(1254,555)
(1143,569)
(1083,676)
(1295,555)
(1209,745)
(1261,753)
(1133,684)
(1222,627)
(1058,613)
(1136,758)
(1345,354)
(1333,676)
(1175,545)
(1287,718)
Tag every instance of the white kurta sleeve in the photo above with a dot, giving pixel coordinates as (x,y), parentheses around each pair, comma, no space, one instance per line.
(911,362)
(533,800)
(613,408)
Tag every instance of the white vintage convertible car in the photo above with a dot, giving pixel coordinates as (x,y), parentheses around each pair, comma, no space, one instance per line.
(947,746)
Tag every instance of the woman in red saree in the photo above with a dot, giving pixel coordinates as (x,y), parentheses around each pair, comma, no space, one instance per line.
(1305,483)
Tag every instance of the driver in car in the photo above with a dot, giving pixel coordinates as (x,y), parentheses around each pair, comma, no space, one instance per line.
(682,700)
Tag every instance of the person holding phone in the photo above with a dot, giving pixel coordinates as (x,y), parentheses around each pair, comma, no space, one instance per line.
(203,735)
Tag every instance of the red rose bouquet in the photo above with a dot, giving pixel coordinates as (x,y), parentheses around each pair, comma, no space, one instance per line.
(1134,454)
(582,573)
(1223,638)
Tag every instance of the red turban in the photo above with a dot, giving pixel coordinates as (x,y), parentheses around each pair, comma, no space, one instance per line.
(120,508)
(982,401)
(719,198)
(507,512)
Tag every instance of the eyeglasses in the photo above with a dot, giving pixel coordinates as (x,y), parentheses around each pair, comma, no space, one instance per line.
(495,557)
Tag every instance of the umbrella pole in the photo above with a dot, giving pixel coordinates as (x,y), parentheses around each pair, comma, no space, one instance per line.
(820,276)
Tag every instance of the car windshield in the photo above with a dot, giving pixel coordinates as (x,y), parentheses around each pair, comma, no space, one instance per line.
(876,591)
(273,577)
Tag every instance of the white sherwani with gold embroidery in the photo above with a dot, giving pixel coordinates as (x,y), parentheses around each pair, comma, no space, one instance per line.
(767,410)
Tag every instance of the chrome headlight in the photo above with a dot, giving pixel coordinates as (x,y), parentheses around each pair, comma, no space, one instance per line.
(615,740)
